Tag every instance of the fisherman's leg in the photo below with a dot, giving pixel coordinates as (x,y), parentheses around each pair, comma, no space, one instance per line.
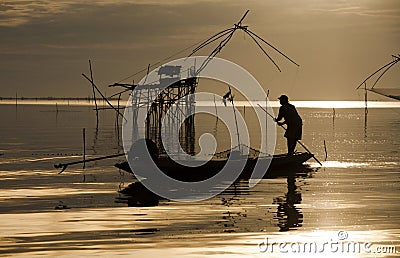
(291,144)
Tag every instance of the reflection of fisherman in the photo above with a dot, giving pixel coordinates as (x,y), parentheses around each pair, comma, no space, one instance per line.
(289,216)
(293,121)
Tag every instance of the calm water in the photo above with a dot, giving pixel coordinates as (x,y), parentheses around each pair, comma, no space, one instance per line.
(354,198)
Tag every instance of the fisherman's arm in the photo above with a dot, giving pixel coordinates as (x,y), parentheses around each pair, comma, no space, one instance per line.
(281,123)
(280,116)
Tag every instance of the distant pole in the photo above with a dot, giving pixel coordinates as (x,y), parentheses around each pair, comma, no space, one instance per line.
(366,98)
(366,109)
(237,128)
(266,123)
(147,73)
(117,121)
(216,110)
(16,106)
(94,94)
(84,147)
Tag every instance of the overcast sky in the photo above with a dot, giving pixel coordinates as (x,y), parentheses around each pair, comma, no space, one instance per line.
(45,44)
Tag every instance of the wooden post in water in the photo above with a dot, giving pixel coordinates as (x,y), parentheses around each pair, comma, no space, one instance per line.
(117,120)
(216,110)
(266,123)
(366,98)
(16,105)
(237,128)
(94,94)
(366,108)
(84,147)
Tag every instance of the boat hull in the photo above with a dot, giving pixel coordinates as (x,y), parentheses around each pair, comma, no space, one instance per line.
(281,165)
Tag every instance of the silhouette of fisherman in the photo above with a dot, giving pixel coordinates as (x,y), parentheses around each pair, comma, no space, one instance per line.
(293,121)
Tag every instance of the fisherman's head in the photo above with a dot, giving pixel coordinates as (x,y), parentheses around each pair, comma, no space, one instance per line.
(283,99)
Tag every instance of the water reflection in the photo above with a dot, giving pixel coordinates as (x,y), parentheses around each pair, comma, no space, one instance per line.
(288,215)
(234,217)
(137,195)
(231,198)
(356,192)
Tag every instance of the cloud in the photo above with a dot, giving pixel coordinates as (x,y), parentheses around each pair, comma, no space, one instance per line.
(49,41)
(379,9)
(15,13)
(19,12)
(119,25)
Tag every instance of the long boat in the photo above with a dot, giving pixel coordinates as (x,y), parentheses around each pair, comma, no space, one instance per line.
(281,165)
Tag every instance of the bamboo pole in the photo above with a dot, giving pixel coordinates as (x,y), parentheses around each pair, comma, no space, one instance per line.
(101,94)
(84,147)
(94,94)
(216,110)
(266,123)
(64,166)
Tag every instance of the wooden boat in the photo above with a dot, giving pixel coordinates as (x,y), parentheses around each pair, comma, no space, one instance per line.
(281,165)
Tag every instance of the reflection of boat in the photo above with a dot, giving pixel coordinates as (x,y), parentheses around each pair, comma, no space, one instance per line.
(137,195)
(280,166)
